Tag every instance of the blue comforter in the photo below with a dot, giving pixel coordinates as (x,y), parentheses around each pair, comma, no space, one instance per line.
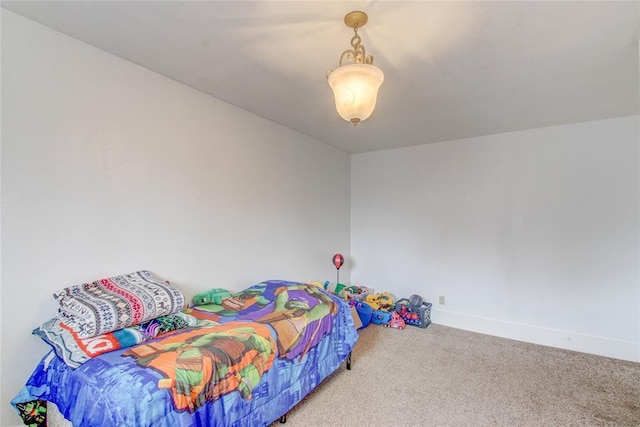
(264,350)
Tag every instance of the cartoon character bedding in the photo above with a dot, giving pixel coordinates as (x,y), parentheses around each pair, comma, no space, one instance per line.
(245,361)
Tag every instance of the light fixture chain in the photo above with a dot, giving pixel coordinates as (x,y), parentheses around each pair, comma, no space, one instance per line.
(357,55)
(358,48)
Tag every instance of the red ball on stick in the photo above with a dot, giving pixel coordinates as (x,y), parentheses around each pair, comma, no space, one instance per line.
(338,260)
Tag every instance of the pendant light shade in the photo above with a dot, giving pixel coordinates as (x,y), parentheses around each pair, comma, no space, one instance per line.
(355,84)
(355,89)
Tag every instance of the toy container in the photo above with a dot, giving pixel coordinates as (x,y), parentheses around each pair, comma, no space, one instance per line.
(364,312)
(415,316)
(364,292)
(357,293)
(380,317)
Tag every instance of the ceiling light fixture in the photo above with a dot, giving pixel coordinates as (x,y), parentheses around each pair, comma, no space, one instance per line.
(355,84)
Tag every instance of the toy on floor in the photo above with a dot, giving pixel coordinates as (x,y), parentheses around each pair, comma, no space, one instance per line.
(365,312)
(380,317)
(381,301)
(373,301)
(415,300)
(396,321)
(354,293)
(414,315)
(386,301)
(213,296)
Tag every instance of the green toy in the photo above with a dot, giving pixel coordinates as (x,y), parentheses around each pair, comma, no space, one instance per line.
(213,296)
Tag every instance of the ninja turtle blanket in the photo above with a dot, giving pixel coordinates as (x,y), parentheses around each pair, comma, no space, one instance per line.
(265,349)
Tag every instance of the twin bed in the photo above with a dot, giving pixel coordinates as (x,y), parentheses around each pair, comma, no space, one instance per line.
(243,362)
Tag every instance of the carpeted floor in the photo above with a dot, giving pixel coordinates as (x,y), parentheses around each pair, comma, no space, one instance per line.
(442,376)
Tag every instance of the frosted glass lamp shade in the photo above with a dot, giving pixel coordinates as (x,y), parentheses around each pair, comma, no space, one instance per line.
(355,89)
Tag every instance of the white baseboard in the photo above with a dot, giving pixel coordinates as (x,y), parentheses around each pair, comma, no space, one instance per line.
(618,349)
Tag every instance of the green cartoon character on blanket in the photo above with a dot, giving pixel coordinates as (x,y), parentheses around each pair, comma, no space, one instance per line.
(204,364)
(292,316)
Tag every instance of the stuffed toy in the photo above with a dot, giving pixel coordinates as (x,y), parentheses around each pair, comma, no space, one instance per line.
(213,296)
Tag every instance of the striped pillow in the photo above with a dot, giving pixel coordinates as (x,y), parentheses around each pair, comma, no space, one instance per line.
(114,303)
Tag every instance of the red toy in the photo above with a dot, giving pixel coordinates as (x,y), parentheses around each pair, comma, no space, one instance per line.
(396,321)
(337,260)
(419,316)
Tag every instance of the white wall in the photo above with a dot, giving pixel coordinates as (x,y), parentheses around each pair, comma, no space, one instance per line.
(529,235)
(108,168)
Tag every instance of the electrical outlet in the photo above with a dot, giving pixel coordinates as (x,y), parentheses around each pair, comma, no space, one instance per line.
(441,299)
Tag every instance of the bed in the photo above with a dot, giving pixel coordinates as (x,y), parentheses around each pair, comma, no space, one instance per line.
(245,361)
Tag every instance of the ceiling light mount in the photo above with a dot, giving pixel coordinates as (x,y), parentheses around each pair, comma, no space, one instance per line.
(355,19)
(356,81)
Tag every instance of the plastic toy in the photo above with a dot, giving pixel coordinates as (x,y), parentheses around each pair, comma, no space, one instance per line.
(354,293)
(396,321)
(380,317)
(386,301)
(213,296)
(373,301)
(381,301)
(419,316)
(415,300)
(334,288)
(338,260)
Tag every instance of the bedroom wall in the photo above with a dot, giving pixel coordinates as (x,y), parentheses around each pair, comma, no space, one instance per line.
(528,235)
(109,168)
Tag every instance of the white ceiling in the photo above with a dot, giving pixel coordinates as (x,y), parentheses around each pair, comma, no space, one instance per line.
(452,69)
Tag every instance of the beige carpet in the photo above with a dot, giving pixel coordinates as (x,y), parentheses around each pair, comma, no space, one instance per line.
(442,376)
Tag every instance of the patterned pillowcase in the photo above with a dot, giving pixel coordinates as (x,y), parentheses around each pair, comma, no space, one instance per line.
(115,303)
(74,350)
